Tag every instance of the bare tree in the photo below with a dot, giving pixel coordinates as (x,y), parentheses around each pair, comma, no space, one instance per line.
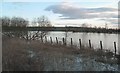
(5,21)
(18,22)
(106,26)
(40,22)
(43,22)
(84,25)
(14,22)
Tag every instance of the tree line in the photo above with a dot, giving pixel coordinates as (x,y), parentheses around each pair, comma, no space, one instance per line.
(41,21)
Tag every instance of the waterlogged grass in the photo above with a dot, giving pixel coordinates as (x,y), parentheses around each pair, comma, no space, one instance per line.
(22,55)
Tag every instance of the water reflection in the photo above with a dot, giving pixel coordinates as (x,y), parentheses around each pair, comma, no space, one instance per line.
(84,38)
(95,38)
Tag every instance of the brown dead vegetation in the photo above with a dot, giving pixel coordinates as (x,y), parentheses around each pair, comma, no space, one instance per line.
(16,55)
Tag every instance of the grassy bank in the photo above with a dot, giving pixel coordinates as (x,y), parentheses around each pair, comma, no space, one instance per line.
(22,55)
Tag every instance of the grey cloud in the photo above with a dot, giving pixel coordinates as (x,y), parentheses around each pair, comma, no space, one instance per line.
(112,21)
(69,12)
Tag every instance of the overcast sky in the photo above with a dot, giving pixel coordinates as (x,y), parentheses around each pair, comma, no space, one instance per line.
(65,12)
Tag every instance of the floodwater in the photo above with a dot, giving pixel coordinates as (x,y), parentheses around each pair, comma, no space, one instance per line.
(107,39)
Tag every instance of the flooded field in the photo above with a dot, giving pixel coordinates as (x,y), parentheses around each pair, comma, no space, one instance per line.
(107,39)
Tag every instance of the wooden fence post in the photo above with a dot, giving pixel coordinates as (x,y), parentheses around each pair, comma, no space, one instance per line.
(63,41)
(56,40)
(115,47)
(80,43)
(101,45)
(42,39)
(45,39)
(89,43)
(51,40)
(71,42)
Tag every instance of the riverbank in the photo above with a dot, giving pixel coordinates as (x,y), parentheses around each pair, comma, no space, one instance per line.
(22,55)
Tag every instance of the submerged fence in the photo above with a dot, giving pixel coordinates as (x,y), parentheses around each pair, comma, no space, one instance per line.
(64,42)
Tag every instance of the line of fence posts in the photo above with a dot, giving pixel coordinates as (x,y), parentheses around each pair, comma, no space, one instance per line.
(80,44)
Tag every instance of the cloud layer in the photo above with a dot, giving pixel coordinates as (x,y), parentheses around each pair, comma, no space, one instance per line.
(70,11)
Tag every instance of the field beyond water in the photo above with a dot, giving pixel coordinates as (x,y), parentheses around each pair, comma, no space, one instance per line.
(23,55)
